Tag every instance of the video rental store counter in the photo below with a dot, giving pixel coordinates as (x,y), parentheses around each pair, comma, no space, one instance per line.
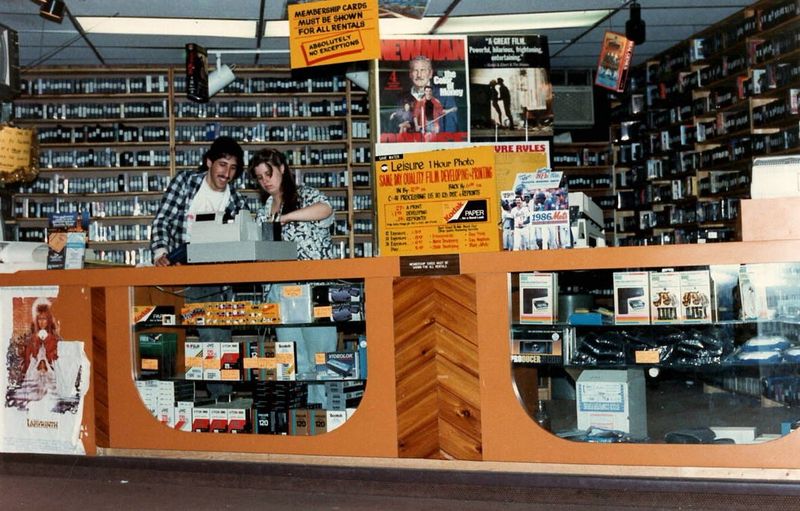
(459,366)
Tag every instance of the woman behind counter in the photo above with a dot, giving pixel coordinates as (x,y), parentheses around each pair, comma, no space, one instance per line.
(303,212)
(305,216)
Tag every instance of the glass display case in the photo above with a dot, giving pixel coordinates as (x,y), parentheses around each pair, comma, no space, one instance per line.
(689,355)
(261,358)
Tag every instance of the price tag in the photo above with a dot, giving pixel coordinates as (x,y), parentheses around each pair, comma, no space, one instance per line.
(647,357)
(193,361)
(150,364)
(291,291)
(323,311)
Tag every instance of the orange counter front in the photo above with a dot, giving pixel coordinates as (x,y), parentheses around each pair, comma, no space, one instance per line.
(440,384)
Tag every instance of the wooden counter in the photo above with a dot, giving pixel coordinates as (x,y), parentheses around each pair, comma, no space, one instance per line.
(440,384)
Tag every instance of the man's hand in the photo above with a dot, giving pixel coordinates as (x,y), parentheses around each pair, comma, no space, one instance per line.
(161,261)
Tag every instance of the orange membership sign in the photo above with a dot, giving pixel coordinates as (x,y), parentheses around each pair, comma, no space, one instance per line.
(437,202)
(333,31)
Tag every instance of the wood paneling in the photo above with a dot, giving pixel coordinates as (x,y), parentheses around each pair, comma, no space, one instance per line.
(100,366)
(436,362)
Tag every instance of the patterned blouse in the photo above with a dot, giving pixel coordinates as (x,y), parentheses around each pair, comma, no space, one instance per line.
(313,238)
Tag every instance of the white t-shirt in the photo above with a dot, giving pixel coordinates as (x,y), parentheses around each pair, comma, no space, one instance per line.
(206,200)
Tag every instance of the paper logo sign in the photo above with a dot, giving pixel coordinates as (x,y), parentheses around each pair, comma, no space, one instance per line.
(334,31)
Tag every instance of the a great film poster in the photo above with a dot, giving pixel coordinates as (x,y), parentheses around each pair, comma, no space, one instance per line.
(45,379)
(511,97)
(423,91)
(437,202)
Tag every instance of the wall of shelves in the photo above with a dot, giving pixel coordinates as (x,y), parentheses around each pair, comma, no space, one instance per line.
(110,140)
(693,119)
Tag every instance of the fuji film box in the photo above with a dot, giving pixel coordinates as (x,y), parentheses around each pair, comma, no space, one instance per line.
(631,294)
(538,297)
(697,297)
(193,360)
(665,292)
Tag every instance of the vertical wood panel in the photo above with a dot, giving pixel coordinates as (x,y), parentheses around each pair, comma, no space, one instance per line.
(436,363)
(100,366)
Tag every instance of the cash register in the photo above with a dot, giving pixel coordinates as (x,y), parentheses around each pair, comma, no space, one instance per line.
(216,240)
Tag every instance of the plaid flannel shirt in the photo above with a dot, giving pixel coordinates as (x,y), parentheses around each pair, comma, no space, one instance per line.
(170,225)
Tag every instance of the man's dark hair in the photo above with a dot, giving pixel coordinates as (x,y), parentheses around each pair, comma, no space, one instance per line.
(225,147)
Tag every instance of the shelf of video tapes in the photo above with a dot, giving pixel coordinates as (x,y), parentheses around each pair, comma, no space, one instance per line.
(636,355)
(692,120)
(109,140)
(283,359)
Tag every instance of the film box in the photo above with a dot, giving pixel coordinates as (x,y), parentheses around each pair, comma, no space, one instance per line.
(193,360)
(183,415)
(201,419)
(665,292)
(631,294)
(230,356)
(538,297)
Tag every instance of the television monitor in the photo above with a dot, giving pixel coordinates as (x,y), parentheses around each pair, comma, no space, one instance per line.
(9,64)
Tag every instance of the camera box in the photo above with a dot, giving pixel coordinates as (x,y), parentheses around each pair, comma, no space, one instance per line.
(697,297)
(612,399)
(539,346)
(538,297)
(665,292)
(631,294)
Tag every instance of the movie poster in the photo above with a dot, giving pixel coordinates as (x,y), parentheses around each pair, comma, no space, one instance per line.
(45,378)
(511,97)
(423,97)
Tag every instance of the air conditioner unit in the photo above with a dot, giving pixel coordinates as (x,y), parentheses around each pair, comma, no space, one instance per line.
(573,106)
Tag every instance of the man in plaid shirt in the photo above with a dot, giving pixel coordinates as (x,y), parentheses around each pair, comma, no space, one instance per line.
(207,190)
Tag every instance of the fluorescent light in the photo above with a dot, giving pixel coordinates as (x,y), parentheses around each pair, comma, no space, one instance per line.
(516,22)
(469,24)
(168,26)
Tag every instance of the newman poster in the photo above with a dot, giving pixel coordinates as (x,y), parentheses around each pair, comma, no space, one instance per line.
(511,97)
(422,93)
(332,32)
(437,202)
(45,378)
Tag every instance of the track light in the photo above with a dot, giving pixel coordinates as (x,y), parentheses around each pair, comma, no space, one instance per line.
(635,27)
(220,78)
(52,10)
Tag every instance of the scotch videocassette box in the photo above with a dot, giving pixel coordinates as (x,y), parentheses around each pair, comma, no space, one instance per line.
(285,359)
(631,295)
(697,297)
(665,292)
(538,297)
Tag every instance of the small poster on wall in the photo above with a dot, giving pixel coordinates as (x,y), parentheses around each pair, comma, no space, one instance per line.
(614,62)
(511,97)
(437,202)
(45,378)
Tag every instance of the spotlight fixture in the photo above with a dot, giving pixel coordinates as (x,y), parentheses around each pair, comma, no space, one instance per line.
(52,10)
(220,78)
(634,27)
